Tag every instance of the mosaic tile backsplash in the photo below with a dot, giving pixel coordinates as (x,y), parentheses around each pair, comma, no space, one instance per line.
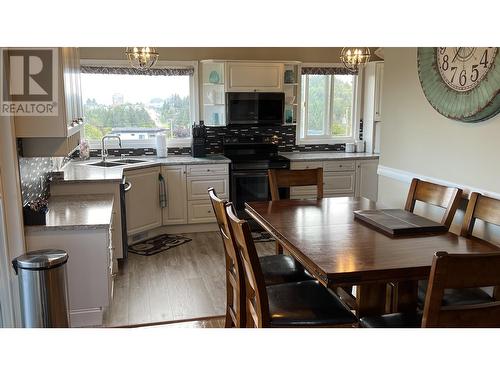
(215,137)
(35,173)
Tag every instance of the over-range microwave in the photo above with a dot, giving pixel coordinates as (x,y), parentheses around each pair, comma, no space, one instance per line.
(255,108)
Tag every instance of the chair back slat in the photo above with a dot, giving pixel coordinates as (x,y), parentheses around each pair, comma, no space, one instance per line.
(460,271)
(235,279)
(434,194)
(256,294)
(281,178)
(483,208)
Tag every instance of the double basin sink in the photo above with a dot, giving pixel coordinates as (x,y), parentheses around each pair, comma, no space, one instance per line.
(116,163)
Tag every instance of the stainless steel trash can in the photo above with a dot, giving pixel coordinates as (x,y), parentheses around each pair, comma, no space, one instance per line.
(43,288)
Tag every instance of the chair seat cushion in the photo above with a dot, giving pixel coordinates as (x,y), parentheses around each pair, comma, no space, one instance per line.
(306,304)
(279,269)
(469,296)
(397,320)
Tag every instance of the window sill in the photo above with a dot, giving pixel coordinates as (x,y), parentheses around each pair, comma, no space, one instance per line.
(323,141)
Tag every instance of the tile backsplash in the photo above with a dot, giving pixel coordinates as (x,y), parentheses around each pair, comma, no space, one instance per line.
(35,173)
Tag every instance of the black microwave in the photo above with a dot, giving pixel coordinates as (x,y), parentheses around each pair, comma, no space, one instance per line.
(255,108)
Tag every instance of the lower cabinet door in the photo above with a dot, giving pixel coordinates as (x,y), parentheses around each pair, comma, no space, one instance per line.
(176,210)
(339,184)
(143,200)
(200,212)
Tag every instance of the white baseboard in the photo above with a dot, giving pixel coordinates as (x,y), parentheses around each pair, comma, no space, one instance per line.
(406,176)
(86,318)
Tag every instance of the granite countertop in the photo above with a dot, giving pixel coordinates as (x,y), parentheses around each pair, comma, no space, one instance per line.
(81,171)
(330,155)
(77,212)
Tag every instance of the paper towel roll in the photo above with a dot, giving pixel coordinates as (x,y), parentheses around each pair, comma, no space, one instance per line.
(161,145)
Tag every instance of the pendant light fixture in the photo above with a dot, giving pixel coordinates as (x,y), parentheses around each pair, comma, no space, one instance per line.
(142,58)
(355,57)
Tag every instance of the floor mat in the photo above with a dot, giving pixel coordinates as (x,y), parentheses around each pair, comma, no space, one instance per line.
(262,236)
(157,244)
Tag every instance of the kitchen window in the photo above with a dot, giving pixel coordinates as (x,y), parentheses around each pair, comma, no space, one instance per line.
(329,103)
(138,105)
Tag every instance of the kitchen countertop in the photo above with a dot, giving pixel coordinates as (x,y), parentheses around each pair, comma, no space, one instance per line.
(77,212)
(330,155)
(81,171)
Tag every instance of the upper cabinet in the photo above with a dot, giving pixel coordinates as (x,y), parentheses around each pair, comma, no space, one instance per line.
(291,88)
(56,135)
(254,76)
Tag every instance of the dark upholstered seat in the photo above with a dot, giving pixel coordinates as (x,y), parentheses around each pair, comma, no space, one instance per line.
(306,303)
(397,320)
(279,269)
(469,296)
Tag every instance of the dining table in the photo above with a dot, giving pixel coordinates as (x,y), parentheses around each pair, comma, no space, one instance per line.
(341,251)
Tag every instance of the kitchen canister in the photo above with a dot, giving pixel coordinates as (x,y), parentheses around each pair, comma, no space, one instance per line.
(350,147)
(360,146)
(161,145)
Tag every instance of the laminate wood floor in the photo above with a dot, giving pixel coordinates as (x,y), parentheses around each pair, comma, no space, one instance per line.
(185,282)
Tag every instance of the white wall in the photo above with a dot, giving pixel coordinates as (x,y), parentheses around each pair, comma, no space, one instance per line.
(417,139)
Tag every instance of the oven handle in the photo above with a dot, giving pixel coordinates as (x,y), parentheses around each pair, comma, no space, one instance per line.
(249,173)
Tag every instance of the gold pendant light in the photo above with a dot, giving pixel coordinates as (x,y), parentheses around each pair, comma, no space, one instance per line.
(142,58)
(355,57)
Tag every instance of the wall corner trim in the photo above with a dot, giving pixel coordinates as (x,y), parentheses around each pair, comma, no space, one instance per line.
(406,176)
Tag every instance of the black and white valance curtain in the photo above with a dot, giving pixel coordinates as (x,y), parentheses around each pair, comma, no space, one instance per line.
(173,71)
(326,70)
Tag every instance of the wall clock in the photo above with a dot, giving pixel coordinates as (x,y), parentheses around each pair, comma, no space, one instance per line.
(461,83)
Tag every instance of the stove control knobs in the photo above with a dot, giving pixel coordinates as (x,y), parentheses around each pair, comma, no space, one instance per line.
(274,139)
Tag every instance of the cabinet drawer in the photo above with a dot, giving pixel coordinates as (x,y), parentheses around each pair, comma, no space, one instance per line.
(206,169)
(197,187)
(303,191)
(338,166)
(200,212)
(306,164)
(339,183)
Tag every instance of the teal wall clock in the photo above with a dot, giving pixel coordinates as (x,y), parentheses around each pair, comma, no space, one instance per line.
(461,83)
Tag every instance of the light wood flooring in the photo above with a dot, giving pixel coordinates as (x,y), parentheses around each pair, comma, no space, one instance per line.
(185,282)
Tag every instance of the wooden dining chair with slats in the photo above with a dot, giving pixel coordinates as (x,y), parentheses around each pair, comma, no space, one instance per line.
(441,196)
(276,268)
(488,210)
(436,195)
(285,178)
(457,272)
(296,304)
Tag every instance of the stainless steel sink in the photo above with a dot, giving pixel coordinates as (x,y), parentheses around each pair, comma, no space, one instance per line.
(130,161)
(106,164)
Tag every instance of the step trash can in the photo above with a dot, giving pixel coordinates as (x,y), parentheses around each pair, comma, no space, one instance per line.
(43,288)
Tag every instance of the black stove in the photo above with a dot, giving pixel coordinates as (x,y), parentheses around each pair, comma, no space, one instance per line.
(251,157)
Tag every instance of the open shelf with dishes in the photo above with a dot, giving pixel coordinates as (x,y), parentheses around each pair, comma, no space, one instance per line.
(213,108)
(291,88)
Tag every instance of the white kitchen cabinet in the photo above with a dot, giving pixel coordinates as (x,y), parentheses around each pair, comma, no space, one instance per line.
(200,212)
(337,184)
(197,187)
(212,96)
(254,76)
(373,77)
(56,135)
(176,210)
(367,179)
(143,200)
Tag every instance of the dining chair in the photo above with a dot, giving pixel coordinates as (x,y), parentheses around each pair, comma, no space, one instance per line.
(276,268)
(436,195)
(488,210)
(445,197)
(295,304)
(451,271)
(286,178)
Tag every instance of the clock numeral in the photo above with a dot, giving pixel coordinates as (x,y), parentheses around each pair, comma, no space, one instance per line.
(454,70)
(484,58)
(445,64)
(442,50)
(475,73)
(462,79)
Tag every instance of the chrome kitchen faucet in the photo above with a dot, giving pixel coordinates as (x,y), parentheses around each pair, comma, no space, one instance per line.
(103,150)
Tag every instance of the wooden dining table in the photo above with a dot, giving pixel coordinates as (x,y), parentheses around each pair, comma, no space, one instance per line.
(341,251)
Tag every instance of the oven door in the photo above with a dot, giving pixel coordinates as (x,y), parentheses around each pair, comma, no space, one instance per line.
(248,186)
